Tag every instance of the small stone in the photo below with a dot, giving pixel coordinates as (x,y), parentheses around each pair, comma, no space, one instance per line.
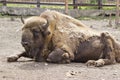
(68,74)
(73,73)
(46,64)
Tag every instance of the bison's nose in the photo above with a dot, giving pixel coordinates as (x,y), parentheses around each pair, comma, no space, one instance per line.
(24,43)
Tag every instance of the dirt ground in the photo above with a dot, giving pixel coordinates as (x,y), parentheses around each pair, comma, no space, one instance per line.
(25,69)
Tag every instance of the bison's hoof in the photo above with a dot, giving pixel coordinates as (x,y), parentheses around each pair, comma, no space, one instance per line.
(98,63)
(39,59)
(12,58)
(90,63)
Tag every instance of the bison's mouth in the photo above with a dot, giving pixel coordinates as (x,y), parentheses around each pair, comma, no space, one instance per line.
(32,51)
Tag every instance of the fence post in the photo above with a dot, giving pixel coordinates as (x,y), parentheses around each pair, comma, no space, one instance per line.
(4,3)
(38,3)
(75,4)
(117,14)
(99,4)
(66,6)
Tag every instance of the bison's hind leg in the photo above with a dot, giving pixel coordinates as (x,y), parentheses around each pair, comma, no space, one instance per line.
(108,56)
(98,63)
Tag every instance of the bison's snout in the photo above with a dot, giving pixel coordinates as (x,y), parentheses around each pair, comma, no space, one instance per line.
(25,43)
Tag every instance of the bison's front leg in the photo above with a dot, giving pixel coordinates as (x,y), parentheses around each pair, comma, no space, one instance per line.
(41,55)
(58,56)
(15,57)
(68,50)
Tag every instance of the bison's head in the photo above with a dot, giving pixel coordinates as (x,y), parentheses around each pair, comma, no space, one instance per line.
(34,32)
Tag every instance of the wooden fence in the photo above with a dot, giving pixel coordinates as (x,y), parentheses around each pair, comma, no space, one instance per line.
(74,3)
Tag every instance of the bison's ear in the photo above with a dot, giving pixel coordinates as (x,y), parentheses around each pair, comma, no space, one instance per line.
(22,20)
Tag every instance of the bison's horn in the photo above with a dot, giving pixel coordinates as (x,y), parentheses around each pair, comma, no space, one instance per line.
(45,26)
(22,19)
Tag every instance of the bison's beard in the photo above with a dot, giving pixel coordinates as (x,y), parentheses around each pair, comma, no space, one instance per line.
(33,51)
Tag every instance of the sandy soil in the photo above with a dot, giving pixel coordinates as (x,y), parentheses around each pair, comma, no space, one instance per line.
(25,69)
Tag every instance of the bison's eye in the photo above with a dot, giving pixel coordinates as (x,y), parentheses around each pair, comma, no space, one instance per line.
(36,33)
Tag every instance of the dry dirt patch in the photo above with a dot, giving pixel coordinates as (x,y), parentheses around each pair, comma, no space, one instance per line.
(26,69)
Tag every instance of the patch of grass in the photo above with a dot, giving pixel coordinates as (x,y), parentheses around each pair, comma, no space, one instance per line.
(95,7)
(87,7)
(52,7)
(109,8)
(0,4)
(58,7)
(21,5)
(34,6)
(95,18)
(3,16)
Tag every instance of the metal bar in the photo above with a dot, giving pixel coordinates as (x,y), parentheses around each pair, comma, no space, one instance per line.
(99,4)
(4,2)
(38,3)
(75,4)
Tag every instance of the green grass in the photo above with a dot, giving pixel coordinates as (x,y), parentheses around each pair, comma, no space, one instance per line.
(80,18)
(52,7)
(4,16)
(0,4)
(34,6)
(95,18)
(21,5)
(109,8)
(58,7)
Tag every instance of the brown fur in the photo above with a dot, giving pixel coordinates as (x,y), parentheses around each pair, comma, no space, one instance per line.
(72,34)
(111,51)
(58,56)
(66,29)
(74,38)
(100,51)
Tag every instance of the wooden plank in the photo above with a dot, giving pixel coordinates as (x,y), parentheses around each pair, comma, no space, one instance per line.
(117,13)
(34,3)
(59,4)
(66,6)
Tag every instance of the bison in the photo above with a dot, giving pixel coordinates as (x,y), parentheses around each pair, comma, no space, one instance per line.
(59,38)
